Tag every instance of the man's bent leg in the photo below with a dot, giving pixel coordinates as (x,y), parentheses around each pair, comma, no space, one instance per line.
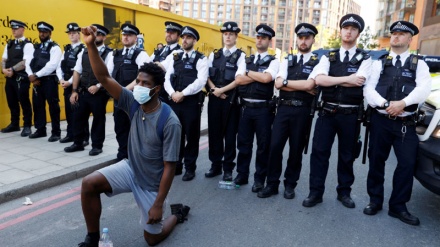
(168,226)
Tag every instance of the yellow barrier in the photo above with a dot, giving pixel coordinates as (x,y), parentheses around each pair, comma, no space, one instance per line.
(111,13)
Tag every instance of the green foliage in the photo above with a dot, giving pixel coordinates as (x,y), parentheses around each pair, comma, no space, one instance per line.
(333,42)
(367,40)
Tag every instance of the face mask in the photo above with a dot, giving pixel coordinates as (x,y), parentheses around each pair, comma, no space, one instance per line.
(142,94)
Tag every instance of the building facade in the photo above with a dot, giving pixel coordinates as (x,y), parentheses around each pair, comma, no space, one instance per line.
(429,36)
(281,15)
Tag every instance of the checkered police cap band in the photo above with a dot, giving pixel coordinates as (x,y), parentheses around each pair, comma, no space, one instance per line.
(42,26)
(171,26)
(351,19)
(305,30)
(229,27)
(264,31)
(187,31)
(402,27)
(98,30)
(16,24)
(128,29)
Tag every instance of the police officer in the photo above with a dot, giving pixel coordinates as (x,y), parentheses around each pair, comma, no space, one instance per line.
(184,79)
(65,73)
(89,96)
(223,111)
(257,109)
(17,51)
(341,75)
(172,35)
(398,83)
(42,74)
(294,114)
(124,69)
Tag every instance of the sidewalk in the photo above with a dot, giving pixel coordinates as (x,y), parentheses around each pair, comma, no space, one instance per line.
(30,165)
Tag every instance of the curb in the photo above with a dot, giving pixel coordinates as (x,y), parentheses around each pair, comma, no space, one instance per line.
(39,183)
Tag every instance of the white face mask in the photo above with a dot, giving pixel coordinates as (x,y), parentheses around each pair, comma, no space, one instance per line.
(142,94)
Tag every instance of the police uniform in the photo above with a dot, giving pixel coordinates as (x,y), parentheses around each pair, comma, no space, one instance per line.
(395,77)
(161,54)
(17,86)
(65,72)
(292,121)
(124,69)
(187,74)
(341,115)
(257,113)
(90,103)
(43,65)
(223,114)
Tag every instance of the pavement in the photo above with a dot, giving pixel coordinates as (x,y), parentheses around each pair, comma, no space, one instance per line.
(31,165)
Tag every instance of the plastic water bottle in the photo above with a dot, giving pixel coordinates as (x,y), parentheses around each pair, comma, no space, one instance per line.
(227,185)
(105,241)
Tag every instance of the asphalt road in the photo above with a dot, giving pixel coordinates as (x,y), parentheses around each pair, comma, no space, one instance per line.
(229,218)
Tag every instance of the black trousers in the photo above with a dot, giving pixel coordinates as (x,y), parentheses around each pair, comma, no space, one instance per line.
(46,91)
(327,126)
(69,111)
(17,93)
(254,121)
(189,113)
(386,133)
(291,122)
(223,126)
(95,104)
(122,129)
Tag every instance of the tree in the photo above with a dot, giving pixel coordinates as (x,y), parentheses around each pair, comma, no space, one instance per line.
(367,40)
(333,42)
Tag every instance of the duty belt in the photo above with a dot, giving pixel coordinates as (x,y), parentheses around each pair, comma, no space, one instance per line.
(336,109)
(294,102)
(257,104)
(410,118)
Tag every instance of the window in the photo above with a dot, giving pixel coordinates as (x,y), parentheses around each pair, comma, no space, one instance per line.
(204,7)
(436,8)
(186,13)
(186,6)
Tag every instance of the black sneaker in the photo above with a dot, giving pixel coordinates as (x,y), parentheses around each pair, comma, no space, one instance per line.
(88,242)
(180,211)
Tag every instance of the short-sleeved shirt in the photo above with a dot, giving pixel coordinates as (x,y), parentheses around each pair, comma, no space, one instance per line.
(146,151)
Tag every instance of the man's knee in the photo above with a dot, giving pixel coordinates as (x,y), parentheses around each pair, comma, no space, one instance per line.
(95,182)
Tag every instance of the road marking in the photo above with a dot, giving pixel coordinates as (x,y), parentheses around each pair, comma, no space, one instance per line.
(46,200)
(39,212)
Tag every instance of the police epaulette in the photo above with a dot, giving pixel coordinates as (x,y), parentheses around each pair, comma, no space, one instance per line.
(217,53)
(313,60)
(332,55)
(176,56)
(67,47)
(201,54)
(115,52)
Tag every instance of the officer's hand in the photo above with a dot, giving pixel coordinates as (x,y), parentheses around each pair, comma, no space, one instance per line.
(32,78)
(396,107)
(279,82)
(89,34)
(355,80)
(313,91)
(5,72)
(64,84)
(93,89)
(36,83)
(177,97)
(73,98)
(9,73)
(216,91)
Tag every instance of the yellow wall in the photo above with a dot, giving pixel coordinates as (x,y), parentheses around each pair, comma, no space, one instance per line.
(85,12)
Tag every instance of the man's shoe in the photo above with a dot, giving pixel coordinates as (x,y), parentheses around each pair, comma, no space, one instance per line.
(405,217)
(268,191)
(85,143)
(311,201)
(26,131)
(37,134)
(240,180)
(95,151)
(372,208)
(54,138)
(257,187)
(289,192)
(88,242)
(10,128)
(73,148)
(189,175)
(346,201)
(227,176)
(213,172)
(180,211)
(66,139)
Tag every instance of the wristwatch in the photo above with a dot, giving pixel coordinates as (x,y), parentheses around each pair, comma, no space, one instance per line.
(98,85)
(247,72)
(285,82)
(386,104)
